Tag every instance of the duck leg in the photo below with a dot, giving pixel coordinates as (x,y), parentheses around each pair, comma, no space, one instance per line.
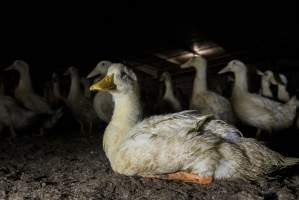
(82,128)
(185,177)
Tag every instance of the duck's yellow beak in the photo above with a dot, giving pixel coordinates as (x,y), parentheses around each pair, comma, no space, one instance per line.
(106,84)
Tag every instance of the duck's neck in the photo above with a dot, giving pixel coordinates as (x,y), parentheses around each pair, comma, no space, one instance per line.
(168,90)
(75,87)
(127,112)
(266,91)
(56,90)
(200,80)
(282,88)
(241,84)
(25,84)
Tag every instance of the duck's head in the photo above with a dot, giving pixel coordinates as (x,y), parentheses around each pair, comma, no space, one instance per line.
(268,76)
(234,66)
(100,69)
(195,61)
(72,71)
(55,77)
(283,79)
(118,80)
(19,65)
(165,76)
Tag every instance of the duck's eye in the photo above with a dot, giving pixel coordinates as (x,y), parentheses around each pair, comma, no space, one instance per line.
(122,75)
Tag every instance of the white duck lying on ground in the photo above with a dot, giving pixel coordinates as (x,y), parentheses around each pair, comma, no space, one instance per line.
(266,81)
(181,146)
(30,100)
(102,102)
(204,100)
(255,110)
(169,102)
(283,94)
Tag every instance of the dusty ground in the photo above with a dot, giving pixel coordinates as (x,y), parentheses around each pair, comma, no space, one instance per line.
(75,167)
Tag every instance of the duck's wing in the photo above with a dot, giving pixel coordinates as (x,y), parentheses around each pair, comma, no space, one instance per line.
(182,123)
(265,103)
(36,103)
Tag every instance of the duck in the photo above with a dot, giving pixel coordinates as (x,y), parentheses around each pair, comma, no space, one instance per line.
(255,110)
(183,146)
(203,99)
(266,81)
(169,102)
(14,116)
(79,105)
(102,102)
(57,100)
(282,93)
(25,94)
(85,84)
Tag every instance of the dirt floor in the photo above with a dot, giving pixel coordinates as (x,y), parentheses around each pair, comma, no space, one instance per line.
(69,166)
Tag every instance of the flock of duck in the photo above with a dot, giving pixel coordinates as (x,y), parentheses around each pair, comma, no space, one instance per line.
(196,145)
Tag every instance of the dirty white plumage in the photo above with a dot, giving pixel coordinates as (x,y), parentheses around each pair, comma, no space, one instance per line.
(205,100)
(184,141)
(255,110)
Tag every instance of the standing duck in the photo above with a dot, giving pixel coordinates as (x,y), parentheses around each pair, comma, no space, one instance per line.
(255,110)
(169,102)
(266,81)
(182,146)
(29,99)
(79,104)
(204,100)
(282,93)
(102,101)
(85,84)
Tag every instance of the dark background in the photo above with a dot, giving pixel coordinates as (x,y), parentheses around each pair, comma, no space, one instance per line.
(52,37)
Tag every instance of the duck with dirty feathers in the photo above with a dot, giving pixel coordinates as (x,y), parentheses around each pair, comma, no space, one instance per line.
(25,94)
(80,106)
(16,117)
(266,81)
(182,146)
(255,110)
(102,102)
(203,99)
(169,102)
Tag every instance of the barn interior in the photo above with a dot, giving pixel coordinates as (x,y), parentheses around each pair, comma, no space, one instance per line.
(66,162)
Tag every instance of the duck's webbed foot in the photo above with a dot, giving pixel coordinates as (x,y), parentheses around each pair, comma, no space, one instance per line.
(185,177)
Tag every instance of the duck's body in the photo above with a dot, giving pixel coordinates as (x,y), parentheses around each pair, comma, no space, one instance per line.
(266,81)
(255,110)
(282,93)
(169,102)
(15,117)
(102,102)
(85,84)
(24,91)
(204,100)
(25,94)
(79,104)
(182,146)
